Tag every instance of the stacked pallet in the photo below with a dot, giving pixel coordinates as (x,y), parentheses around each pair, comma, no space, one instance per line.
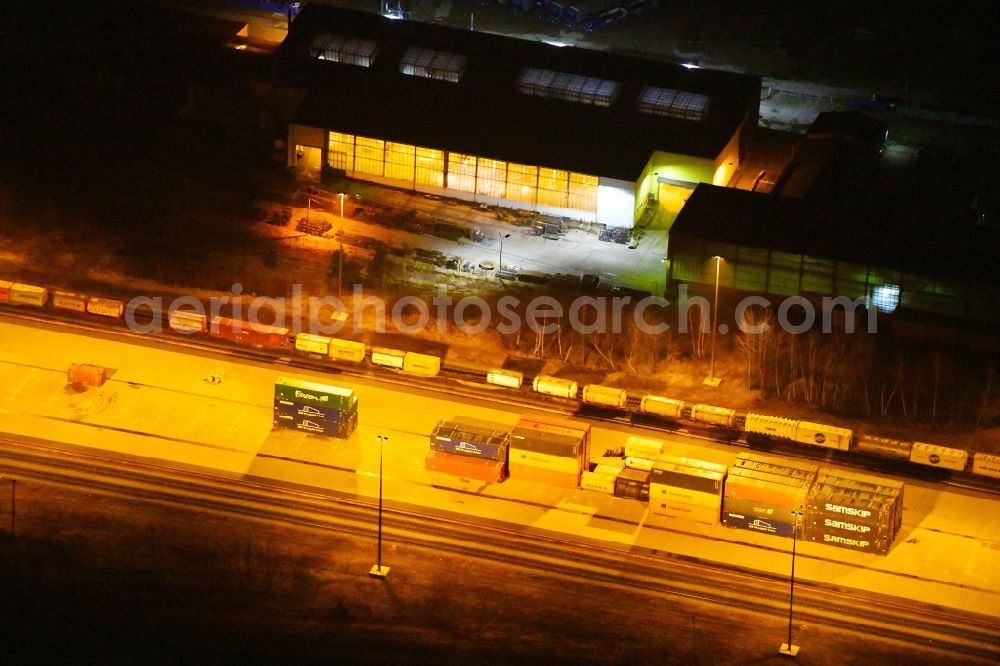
(321,409)
(468,450)
(549,450)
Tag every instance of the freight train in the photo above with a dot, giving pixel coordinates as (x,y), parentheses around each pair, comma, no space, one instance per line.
(753,427)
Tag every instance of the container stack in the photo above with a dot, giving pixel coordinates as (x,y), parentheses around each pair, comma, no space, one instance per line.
(317,408)
(762,494)
(640,452)
(633,484)
(687,488)
(854,511)
(469,451)
(549,450)
(602,475)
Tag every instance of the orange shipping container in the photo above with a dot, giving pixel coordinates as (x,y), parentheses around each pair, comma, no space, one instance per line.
(5,291)
(88,375)
(539,475)
(466,467)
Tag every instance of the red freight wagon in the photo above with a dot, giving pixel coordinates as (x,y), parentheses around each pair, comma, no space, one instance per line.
(243,332)
(5,291)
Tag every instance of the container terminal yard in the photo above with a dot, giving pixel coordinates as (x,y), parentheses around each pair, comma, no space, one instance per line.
(944,553)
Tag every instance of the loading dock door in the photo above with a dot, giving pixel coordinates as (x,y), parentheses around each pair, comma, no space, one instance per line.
(672,197)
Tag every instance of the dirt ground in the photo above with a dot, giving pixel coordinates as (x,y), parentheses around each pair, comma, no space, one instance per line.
(92,577)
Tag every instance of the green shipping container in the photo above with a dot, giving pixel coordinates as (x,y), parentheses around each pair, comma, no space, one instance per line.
(315,394)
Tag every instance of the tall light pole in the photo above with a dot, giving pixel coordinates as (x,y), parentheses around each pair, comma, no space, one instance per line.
(500,265)
(340,259)
(712,380)
(788,649)
(378,571)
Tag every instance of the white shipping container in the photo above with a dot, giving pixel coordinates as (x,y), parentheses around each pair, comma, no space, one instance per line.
(508,378)
(347,350)
(604,483)
(317,344)
(643,464)
(938,456)
(611,470)
(552,463)
(660,406)
(985,464)
(391,358)
(187,322)
(642,447)
(563,388)
(722,416)
(66,301)
(817,434)
(421,364)
(28,294)
(772,426)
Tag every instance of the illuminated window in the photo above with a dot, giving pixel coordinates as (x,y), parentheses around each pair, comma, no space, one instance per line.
(461,172)
(491,177)
(430,167)
(340,151)
(338,48)
(885,297)
(433,64)
(399,161)
(569,87)
(673,103)
(553,187)
(522,182)
(583,192)
(369,156)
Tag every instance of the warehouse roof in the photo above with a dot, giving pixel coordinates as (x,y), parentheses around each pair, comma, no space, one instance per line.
(506,98)
(943,242)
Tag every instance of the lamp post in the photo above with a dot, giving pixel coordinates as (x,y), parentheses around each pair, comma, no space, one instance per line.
(378,571)
(340,256)
(500,265)
(788,649)
(712,380)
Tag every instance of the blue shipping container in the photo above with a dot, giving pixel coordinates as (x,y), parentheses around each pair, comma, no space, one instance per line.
(491,450)
(755,524)
(340,429)
(283,407)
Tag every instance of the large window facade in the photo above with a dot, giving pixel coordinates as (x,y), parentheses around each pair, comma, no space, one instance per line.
(532,185)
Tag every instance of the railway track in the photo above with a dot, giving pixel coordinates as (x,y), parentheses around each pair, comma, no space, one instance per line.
(934,628)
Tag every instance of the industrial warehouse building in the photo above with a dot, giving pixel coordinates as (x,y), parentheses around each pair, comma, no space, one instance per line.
(567,132)
(938,262)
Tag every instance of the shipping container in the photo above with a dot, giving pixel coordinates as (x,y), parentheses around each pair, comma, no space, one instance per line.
(602,483)
(314,344)
(389,358)
(660,406)
(633,484)
(818,434)
(765,491)
(105,307)
(884,446)
(851,479)
(347,350)
(674,509)
(319,414)
(465,467)
(242,332)
(760,525)
(938,456)
(844,526)
(28,294)
(5,286)
(641,464)
(470,440)
(86,374)
(696,463)
(540,475)
(563,388)
(553,436)
(761,510)
(985,464)
(669,473)
(857,542)
(772,426)
(185,321)
(610,461)
(611,470)
(340,429)
(720,416)
(642,447)
(665,493)
(63,300)
(604,396)
(315,394)
(508,378)
(421,364)
(569,465)
(782,466)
